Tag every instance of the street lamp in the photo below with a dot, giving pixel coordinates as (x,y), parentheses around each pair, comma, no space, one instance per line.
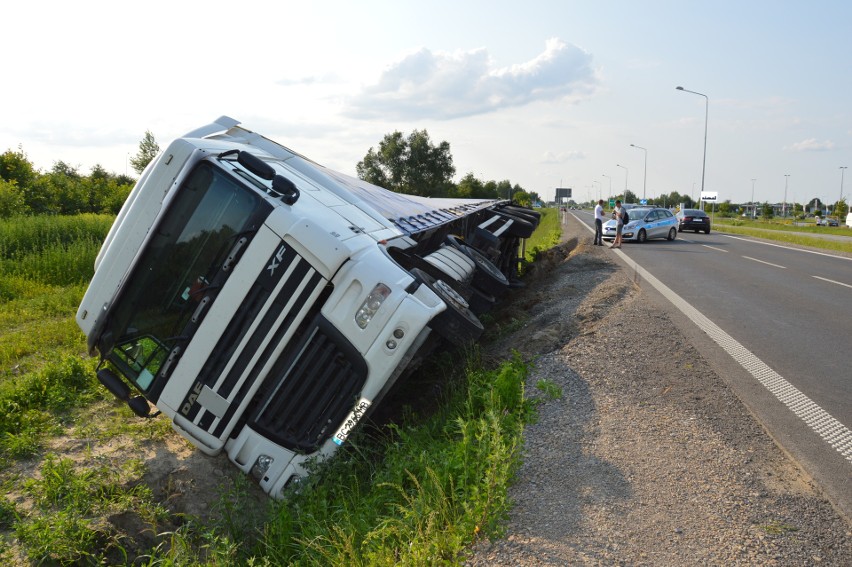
(645,173)
(842,167)
(784,209)
(706,113)
(610,183)
(753,208)
(626,171)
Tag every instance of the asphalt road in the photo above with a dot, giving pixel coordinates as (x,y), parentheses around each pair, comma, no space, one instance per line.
(792,309)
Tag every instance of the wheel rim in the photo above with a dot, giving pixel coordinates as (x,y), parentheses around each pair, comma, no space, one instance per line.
(450,295)
(641,237)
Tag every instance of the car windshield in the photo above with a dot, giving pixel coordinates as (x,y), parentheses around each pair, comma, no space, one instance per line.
(182,259)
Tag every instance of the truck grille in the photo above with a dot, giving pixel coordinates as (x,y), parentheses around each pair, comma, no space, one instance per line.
(276,311)
(309,393)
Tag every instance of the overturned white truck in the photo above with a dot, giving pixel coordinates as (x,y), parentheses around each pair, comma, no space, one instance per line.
(265,303)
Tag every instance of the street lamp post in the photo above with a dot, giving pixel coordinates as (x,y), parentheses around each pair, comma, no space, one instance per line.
(626,171)
(645,172)
(706,113)
(753,208)
(610,183)
(842,168)
(784,208)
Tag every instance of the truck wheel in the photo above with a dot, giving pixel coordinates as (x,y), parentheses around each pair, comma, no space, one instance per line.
(457,323)
(487,277)
(520,227)
(530,215)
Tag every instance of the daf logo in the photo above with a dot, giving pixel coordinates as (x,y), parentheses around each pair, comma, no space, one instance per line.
(190,399)
(276,260)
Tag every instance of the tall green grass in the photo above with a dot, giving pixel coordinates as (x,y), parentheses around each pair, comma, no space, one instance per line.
(415,493)
(546,236)
(49,250)
(44,264)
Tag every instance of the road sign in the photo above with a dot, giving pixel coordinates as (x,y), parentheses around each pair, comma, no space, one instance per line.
(612,202)
(710,196)
(563,194)
(643,201)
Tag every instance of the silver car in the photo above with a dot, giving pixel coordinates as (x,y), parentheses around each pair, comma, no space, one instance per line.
(645,223)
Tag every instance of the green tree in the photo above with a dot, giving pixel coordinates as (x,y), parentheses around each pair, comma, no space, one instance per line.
(11,200)
(14,166)
(411,165)
(522,198)
(767,211)
(840,208)
(725,208)
(148,150)
(468,187)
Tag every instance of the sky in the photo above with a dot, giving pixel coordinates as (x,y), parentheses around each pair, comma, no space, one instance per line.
(544,94)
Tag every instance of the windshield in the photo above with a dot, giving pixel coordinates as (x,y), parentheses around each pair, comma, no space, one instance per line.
(637,214)
(180,265)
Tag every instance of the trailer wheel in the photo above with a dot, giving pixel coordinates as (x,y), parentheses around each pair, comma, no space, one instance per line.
(520,227)
(457,323)
(488,276)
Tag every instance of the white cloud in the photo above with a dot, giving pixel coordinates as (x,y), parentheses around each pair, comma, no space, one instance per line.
(810,145)
(445,86)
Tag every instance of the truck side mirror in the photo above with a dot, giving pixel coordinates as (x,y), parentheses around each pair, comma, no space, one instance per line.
(284,187)
(114,384)
(139,406)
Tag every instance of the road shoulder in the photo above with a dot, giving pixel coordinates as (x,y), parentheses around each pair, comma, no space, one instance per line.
(648,457)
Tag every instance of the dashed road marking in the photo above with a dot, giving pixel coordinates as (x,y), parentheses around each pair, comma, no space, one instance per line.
(764,262)
(832,281)
(714,248)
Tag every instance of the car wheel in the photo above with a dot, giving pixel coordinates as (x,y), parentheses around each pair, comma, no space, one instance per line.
(642,236)
(706,231)
(697,231)
(672,234)
(457,323)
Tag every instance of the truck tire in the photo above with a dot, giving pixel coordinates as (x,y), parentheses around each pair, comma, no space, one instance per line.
(528,214)
(520,227)
(457,323)
(487,277)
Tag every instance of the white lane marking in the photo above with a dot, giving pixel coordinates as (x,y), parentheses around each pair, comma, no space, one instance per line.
(831,281)
(820,421)
(714,248)
(767,263)
(785,247)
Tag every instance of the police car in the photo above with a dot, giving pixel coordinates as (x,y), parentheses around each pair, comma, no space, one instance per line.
(644,223)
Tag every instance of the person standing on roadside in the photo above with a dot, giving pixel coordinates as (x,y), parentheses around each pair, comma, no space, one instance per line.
(599,220)
(618,215)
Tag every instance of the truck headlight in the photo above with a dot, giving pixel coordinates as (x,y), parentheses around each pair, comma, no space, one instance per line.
(261,465)
(368,309)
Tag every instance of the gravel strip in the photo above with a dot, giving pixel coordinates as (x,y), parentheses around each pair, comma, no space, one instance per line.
(660,464)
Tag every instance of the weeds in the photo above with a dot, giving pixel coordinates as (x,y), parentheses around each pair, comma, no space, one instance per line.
(549,388)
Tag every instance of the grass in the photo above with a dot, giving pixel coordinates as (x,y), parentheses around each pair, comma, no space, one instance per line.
(787,233)
(546,236)
(417,491)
